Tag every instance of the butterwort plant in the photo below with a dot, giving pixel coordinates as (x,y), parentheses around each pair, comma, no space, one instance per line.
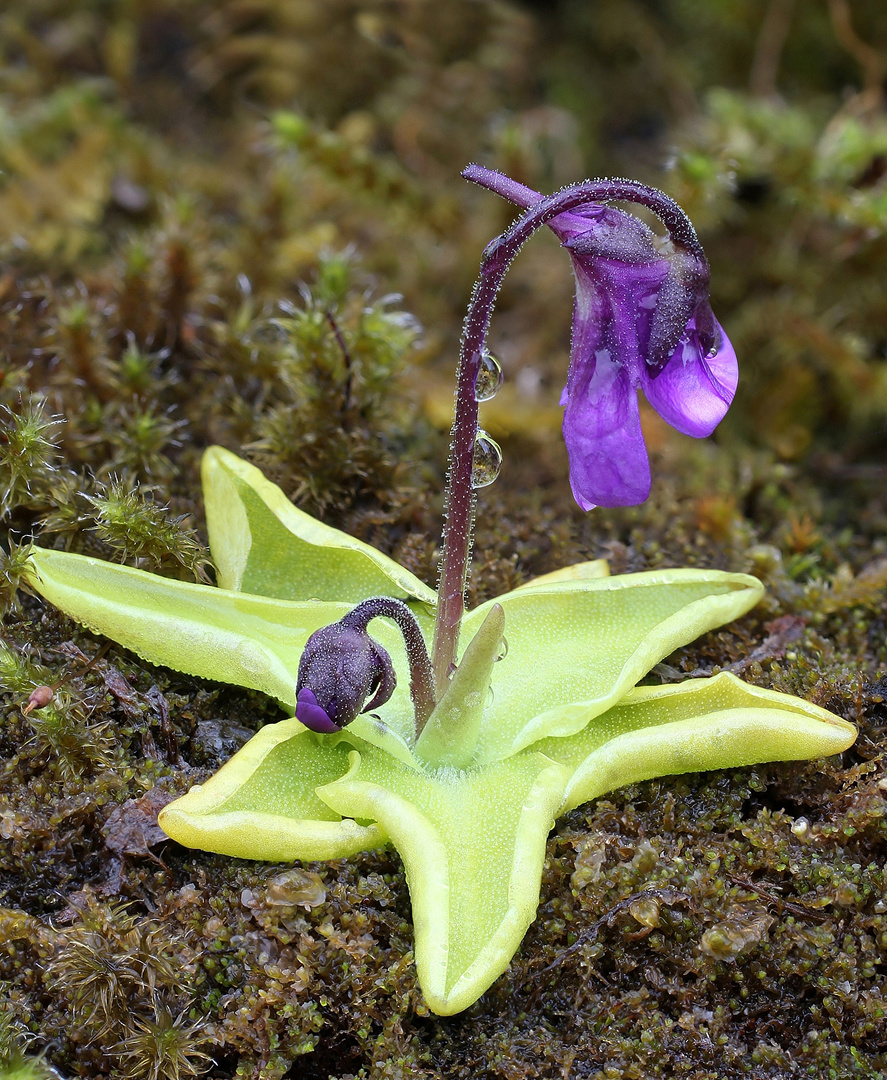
(459,737)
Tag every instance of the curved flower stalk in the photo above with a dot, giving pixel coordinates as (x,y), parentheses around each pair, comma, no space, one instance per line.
(641,320)
(642,313)
(517,737)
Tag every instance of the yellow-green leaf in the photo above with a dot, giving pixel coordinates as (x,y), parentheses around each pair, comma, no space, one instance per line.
(232,637)
(576,647)
(262,803)
(262,544)
(473,844)
(700,724)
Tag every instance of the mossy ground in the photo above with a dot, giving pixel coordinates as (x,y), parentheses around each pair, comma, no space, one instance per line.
(171,174)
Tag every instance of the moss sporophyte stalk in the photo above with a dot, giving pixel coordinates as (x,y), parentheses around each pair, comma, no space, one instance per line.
(463,754)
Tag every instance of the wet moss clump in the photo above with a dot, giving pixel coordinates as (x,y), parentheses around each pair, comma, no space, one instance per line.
(243,224)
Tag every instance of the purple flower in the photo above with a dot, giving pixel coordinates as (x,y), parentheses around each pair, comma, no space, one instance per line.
(642,319)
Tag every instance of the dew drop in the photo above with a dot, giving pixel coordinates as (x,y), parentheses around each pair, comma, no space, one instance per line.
(487,460)
(489,377)
(295,887)
(503,651)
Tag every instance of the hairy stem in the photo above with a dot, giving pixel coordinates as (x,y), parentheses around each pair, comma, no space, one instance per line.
(460,498)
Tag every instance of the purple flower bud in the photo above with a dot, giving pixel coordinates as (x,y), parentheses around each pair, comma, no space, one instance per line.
(642,320)
(340,668)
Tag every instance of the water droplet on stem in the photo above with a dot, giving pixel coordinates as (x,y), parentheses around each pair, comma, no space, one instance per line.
(487,460)
(489,377)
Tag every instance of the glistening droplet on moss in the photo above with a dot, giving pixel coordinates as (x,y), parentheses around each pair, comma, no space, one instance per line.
(489,377)
(645,910)
(487,460)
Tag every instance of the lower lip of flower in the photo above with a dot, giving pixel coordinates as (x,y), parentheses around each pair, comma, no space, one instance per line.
(313,715)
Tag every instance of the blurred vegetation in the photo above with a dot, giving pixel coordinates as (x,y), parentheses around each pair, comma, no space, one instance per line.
(206,212)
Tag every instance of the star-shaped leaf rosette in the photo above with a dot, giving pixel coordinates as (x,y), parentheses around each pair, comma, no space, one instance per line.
(524,708)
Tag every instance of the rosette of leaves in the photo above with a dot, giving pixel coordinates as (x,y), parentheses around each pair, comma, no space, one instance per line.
(541,714)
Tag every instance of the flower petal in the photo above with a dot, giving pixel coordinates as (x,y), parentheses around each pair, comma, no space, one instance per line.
(313,715)
(602,430)
(693,392)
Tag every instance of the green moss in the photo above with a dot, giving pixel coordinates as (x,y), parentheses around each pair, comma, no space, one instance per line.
(15,1063)
(142,532)
(168,182)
